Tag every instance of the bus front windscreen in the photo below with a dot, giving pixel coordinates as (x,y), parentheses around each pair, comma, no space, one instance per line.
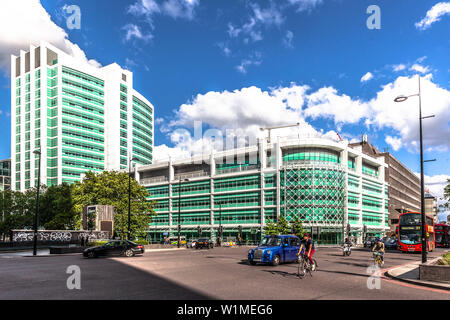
(410,219)
(410,235)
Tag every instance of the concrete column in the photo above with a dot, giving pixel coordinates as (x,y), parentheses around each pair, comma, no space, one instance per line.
(278,164)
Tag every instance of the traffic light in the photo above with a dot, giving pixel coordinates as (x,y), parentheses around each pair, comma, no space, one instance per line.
(365,228)
(220,230)
(240,229)
(348,227)
(199,230)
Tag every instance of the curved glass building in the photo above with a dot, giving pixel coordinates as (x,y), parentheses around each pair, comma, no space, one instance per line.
(327,184)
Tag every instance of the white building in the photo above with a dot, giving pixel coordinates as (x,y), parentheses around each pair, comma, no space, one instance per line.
(80,117)
(329,185)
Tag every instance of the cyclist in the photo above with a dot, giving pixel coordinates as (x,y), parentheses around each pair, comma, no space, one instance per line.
(308,244)
(379,248)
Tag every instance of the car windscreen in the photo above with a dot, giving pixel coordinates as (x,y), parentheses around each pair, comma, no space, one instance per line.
(271,241)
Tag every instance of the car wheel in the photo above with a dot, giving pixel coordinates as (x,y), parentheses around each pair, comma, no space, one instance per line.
(129,253)
(91,254)
(252,262)
(276,260)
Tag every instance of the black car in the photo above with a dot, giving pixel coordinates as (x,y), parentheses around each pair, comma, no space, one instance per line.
(203,243)
(370,242)
(114,248)
(391,243)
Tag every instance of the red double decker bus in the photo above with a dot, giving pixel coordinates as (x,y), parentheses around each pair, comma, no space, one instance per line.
(442,235)
(410,233)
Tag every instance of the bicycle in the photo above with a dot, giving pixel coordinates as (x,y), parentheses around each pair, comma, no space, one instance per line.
(304,265)
(377,261)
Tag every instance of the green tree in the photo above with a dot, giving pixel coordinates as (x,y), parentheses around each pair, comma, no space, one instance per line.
(111,188)
(270,228)
(297,225)
(57,208)
(17,210)
(447,194)
(283,225)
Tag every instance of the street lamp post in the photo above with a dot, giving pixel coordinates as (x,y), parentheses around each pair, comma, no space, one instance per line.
(422,188)
(37,152)
(179,210)
(129,197)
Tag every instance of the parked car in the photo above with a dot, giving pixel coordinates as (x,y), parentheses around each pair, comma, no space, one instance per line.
(115,248)
(391,243)
(275,250)
(204,243)
(370,242)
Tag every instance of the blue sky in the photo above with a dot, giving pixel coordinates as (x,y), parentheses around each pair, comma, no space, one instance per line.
(203,54)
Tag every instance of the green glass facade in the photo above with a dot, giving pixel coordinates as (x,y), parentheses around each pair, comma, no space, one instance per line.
(310,183)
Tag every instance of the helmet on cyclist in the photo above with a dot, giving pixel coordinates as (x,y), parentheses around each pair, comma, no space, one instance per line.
(306,235)
(379,240)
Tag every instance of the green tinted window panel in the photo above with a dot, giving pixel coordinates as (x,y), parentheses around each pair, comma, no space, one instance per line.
(82,155)
(157,192)
(145,130)
(85,145)
(73,123)
(142,104)
(74,115)
(83,87)
(52,72)
(91,137)
(82,76)
(52,102)
(73,94)
(53,152)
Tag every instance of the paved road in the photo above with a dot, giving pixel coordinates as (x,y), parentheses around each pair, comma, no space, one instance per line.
(220,273)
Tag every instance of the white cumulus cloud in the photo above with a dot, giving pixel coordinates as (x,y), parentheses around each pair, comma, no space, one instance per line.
(367,77)
(25,22)
(434,15)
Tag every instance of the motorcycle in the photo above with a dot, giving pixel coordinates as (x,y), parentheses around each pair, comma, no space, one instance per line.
(346,249)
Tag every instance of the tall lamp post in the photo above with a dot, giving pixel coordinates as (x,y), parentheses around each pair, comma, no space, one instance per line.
(422,188)
(37,152)
(179,210)
(129,197)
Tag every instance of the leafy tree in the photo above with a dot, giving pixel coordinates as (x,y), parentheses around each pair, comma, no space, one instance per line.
(57,208)
(447,194)
(17,210)
(283,225)
(270,228)
(297,225)
(111,188)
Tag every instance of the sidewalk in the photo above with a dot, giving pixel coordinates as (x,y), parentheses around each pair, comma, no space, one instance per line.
(410,273)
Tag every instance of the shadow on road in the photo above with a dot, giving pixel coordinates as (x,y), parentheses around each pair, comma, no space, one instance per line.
(45,277)
(284,274)
(345,273)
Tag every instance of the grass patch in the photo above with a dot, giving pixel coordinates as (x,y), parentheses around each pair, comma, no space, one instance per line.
(445,260)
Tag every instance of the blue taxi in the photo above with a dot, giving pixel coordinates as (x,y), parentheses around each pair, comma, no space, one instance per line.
(275,250)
